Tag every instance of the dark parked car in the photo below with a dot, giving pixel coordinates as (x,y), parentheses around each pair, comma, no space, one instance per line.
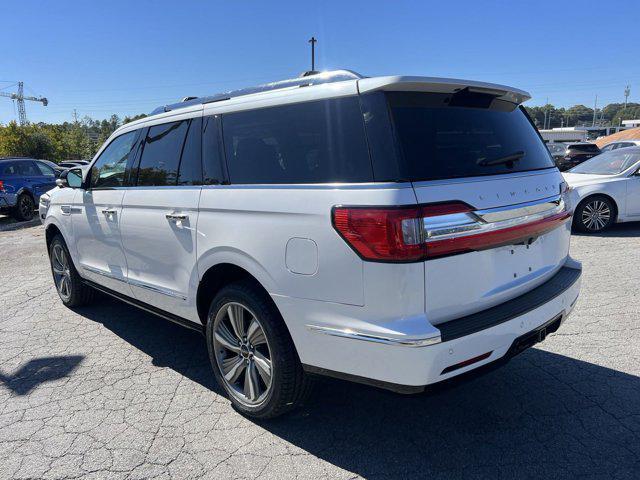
(576,154)
(22,181)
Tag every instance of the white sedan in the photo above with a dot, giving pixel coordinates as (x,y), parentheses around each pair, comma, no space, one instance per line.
(606,189)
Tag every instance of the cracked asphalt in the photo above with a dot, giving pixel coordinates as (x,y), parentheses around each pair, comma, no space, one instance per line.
(109,391)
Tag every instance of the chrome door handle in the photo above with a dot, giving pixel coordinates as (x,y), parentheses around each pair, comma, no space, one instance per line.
(109,211)
(176,216)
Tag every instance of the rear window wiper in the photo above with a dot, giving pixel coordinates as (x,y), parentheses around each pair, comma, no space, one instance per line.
(514,157)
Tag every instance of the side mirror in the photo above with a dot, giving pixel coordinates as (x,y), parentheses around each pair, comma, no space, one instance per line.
(71,178)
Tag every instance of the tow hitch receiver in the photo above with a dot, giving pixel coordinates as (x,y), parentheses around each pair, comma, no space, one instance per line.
(538,335)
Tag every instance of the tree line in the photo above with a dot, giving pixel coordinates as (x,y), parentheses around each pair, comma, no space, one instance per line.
(580,115)
(81,139)
(77,140)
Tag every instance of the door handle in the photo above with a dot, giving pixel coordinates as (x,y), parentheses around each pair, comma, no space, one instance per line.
(109,211)
(176,217)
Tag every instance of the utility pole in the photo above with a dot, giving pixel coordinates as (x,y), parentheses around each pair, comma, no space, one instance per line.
(627,92)
(313,41)
(546,109)
(595,107)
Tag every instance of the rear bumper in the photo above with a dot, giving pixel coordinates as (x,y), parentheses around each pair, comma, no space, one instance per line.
(408,363)
(7,200)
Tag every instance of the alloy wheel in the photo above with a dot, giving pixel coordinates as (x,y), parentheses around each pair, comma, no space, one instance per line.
(242,353)
(26,207)
(61,271)
(596,215)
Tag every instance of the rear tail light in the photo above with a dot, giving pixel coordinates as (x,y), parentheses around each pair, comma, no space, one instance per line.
(1,186)
(422,232)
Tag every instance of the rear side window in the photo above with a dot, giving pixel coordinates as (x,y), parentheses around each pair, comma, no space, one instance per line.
(9,169)
(161,154)
(449,136)
(314,142)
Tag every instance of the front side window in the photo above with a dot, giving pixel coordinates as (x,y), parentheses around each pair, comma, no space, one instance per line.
(463,135)
(45,170)
(161,154)
(314,142)
(109,170)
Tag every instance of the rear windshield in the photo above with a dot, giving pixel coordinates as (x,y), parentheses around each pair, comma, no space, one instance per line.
(609,163)
(585,147)
(445,136)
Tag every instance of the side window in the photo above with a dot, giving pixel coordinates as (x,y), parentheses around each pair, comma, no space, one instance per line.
(190,169)
(108,171)
(313,142)
(28,169)
(211,151)
(45,169)
(161,154)
(9,169)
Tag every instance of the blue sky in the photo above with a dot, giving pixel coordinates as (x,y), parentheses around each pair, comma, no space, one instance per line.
(129,57)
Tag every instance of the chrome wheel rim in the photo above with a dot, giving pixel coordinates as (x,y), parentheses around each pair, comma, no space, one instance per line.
(242,353)
(596,215)
(61,271)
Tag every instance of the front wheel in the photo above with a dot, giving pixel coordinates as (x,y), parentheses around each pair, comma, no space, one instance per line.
(252,354)
(594,214)
(71,289)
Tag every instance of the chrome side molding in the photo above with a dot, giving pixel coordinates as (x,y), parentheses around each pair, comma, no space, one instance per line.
(400,342)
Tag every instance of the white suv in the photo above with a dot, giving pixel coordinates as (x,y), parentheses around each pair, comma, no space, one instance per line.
(395,231)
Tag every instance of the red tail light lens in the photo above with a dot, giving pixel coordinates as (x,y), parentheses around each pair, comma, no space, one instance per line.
(1,186)
(409,234)
(382,234)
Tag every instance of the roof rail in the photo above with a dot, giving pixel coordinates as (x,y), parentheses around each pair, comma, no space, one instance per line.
(307,79)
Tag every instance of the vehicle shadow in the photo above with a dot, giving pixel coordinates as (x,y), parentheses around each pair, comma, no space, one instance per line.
(630,229)
(39,371)
(8,224)
(543,415)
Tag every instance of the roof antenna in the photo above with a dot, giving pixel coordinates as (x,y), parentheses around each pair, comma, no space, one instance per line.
(313,42)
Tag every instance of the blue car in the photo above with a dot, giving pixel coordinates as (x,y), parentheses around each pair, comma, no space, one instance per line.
(22,181)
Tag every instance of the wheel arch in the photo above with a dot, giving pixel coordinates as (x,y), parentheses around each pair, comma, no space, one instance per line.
(590,195)
(218,276)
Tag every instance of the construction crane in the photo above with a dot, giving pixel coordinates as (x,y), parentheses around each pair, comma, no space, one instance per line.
(20,98)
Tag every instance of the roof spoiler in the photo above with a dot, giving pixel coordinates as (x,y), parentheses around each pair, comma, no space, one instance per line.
(441,85)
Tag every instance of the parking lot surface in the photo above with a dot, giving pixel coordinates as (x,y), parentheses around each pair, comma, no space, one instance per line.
(108,391)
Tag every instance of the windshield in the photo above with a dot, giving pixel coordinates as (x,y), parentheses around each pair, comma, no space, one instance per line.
(609,163)
(444,136)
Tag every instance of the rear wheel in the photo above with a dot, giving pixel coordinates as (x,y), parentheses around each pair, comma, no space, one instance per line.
(25,207)
(72,290)
(252,354)
(594,214)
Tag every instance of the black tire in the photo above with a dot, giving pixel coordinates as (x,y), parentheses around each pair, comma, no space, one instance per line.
(76,292)
(25,208)
(289,385)
(594,214)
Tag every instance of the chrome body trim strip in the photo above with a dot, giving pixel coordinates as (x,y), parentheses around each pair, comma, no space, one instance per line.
(102,272)
(481,221)
(136,283)
(400,342)
(164,291)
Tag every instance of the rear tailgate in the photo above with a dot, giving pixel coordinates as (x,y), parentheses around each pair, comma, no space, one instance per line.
(495,223)
(457,285)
